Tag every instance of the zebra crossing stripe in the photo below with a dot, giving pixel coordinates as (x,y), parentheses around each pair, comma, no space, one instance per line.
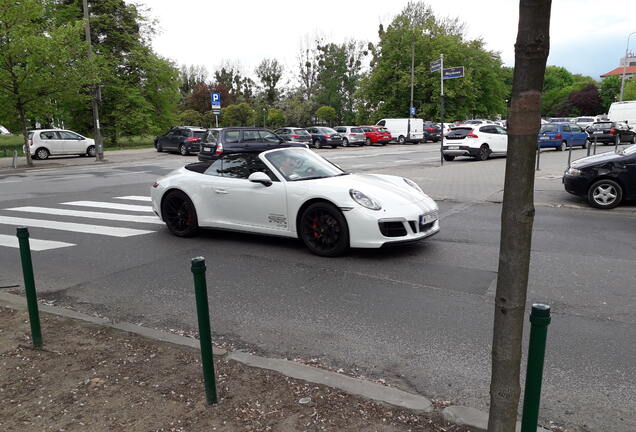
(74,227)
(89,214)
(36,244)
(109,205)
(135,198)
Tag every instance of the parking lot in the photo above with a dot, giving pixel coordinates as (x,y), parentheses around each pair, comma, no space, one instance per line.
(419,317)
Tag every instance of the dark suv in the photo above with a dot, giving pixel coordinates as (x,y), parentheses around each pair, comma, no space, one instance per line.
(611,132)
(239,140)
(182,139)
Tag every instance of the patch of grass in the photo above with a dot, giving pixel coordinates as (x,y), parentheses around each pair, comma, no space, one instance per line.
(9,143)
(131,142)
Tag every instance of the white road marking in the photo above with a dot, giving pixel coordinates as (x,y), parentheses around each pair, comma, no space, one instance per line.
(109,205)
(89,214)
(75,227)
(35,244)
(135,198)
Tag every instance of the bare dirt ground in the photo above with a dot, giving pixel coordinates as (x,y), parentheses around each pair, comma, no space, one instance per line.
(89,378)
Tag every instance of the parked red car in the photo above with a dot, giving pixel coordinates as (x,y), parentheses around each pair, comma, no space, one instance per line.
(376,134)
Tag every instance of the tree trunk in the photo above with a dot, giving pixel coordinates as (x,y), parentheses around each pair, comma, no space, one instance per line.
(517,216)
(25,133)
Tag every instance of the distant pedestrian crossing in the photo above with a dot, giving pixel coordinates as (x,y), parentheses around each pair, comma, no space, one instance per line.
(76,217)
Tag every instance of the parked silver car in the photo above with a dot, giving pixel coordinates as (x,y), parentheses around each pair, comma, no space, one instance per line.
(351,135)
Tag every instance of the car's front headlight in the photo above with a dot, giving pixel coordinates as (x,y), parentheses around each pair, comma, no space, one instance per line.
(413,185)
(364,200)
(573,171)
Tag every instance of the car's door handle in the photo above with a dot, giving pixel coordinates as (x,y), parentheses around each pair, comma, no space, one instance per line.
(220,191)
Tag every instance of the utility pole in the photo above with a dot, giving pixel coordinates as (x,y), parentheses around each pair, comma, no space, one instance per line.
(441,109)
(99,147)
(408,129)
(625,66)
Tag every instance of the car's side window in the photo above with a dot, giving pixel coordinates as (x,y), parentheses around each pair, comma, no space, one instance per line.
(215,168)
(487,129)
(250,136)
(501,130)
(232,137)
(566,128)
(575,128)
(381,123)
(241,165)
(268,137)
(66,135)
(49,135)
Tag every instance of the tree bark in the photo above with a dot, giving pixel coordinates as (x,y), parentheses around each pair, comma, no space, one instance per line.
(517,216)
(25,133)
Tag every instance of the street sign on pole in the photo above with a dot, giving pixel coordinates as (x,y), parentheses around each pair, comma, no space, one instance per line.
(216,100)
(436,65)
(412,110)
(454,72)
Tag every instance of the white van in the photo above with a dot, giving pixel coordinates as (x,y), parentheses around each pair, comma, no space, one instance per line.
(399,129)
(623,112)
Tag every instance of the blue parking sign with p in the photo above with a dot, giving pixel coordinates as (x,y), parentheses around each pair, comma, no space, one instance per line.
(216,100)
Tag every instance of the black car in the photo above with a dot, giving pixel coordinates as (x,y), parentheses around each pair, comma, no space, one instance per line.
(238,140)
(322,136)
(182,139)
(294,134)
(605,179)
(432,132)
(608,132)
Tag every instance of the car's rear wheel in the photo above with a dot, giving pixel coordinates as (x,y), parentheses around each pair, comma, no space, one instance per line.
(42,153)
(183,151)
(91,151)
(345,142)
(317,144)
(324,230)
(605,194)
(401,139)
(449,158)
(367,141)
(179,214)
(484,153)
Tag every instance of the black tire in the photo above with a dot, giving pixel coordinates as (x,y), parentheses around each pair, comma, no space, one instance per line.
(179,214)
(449,158)
(183,150)
(561,147)
(345,142)
(367,141)
(605,194)
(484,153)
(42,153)
(383,143)
(585,144)
(90,151)
(334,146)
(401,139)
(324,230)
(634,139)
(317,144)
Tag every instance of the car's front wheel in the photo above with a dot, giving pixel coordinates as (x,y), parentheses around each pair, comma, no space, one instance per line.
(317,144)
(605,194)
(42,153)
(179,214)
(449,158)
(401,140)
(345,142)
(324,230)
(159,147)
(91,151)
(367,141)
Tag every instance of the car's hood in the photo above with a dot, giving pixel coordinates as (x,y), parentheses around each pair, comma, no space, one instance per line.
(596,159)
(384,188)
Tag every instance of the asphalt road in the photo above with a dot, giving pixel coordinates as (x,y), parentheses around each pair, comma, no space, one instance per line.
(418,316)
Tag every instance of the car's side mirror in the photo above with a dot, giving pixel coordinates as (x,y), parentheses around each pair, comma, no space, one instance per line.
(260,177)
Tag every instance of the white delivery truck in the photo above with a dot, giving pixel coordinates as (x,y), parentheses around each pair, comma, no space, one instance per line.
(399,128)
(623,112)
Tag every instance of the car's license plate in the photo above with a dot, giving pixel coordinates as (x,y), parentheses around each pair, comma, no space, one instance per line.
(207,149)
(453,147)
(544,138)
(598,132)
(428,218)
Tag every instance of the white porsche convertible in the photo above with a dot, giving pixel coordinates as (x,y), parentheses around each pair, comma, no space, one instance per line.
(294,192)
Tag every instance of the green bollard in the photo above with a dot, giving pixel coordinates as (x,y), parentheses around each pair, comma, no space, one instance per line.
(29,286)
(205,334)
(539,321)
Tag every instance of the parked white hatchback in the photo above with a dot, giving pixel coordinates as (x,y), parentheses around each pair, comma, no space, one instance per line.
(479,142)
(52,142)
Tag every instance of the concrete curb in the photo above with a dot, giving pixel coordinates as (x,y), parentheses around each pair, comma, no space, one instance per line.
(474,418)
(288,368)
(367,389)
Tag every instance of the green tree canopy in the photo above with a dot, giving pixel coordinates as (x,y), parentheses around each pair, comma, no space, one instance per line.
(629,91)
(275,118)
(609,90)
(191,118)
(238,115)
(326,114)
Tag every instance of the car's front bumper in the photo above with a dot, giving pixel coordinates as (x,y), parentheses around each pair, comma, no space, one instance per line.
(365,225)
(575,184)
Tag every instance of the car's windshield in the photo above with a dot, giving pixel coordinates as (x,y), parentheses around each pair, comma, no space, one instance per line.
(326,130)
(604,125)
(356,130)
(301,132)
(548,128)
(301,164)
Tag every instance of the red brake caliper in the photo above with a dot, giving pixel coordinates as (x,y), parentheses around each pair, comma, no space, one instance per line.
(314,226)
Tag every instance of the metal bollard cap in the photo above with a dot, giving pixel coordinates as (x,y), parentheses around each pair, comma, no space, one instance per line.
(540,310)
(22,232)
(198,263)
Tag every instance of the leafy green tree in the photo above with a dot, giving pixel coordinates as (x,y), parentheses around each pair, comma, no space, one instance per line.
(629,91)
(238,115)
(609,90)
(191,118)
(275,118)
(326,114)
(297,109)
(269,73)
(40,60)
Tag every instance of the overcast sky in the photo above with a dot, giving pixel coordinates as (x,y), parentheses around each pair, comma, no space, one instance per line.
(586,36)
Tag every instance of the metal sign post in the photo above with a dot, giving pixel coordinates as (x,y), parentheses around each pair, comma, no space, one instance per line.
(441,108)
(215,99)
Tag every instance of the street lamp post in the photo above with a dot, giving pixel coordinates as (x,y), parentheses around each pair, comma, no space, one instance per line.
(625,65)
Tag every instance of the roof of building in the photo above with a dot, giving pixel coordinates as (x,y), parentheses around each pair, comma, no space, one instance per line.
(629,70)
